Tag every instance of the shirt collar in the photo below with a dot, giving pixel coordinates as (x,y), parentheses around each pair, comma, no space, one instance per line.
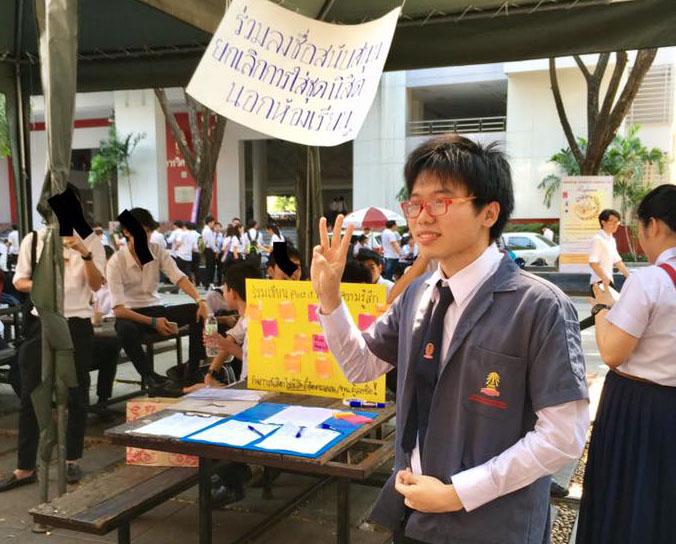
(465,281)
(605,235)
(666,255)
(129,260)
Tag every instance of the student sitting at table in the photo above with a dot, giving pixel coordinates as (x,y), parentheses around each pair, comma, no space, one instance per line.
(374,263)
(138,306)
(230,486)
(276,273)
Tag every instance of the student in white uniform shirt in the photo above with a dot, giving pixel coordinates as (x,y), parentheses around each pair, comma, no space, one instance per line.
(138,307)
(174,237)
(630,482)
(275,236)
(13,252)
(603,255)
(374,263)
(158,238)
(84,262)
(391,249)
(183,244)
(210,248)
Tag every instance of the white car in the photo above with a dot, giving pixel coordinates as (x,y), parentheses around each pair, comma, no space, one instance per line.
(533,248)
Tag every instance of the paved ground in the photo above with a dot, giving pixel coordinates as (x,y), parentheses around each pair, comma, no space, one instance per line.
(176,520)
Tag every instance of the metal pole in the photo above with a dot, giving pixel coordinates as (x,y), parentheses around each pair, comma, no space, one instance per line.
(204,476)
(343,512)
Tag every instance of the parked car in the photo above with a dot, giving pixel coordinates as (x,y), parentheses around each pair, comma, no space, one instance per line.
(533,248)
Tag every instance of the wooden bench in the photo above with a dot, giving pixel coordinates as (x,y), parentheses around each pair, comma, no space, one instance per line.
(113,499)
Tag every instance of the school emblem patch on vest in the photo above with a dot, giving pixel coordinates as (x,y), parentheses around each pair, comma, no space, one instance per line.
(490,392)
(492,384)
(429,351)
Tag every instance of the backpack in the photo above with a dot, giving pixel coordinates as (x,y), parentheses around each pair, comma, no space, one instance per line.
(253,244)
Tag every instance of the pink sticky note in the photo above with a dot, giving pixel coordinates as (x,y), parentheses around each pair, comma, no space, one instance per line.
(270,328)
(357,420)
(365,321)
(319,343)
(312,316)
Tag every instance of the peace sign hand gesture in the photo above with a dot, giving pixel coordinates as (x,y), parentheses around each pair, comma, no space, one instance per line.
(328,263)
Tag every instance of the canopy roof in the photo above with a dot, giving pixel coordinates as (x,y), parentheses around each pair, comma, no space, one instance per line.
(157,43)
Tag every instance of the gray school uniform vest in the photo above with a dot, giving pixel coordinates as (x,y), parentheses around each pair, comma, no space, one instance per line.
(516,349)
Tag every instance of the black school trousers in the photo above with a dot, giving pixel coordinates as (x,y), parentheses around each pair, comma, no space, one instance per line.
(30,367)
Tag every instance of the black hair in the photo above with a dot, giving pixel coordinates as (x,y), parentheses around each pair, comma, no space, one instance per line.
(15,226)
(109,252)
(208,219)
(291,251)
(369,255)
(482,169)
(231,231)
(362,238)
(251,224)
(178,223)
(274,228)
(218,223)
(356,272)
(236,275)
(659,203)
(144,217)
(191,226)
(391,223)
(605,215)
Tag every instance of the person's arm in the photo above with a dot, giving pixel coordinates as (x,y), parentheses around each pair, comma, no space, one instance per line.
(622,268)
(93,275)
(418,268)
(397,249)
(600,273)
(22,279)
(357,358)
(189,289)
(618,330)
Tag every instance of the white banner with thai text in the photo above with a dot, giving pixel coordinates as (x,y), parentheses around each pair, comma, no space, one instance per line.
(292,77)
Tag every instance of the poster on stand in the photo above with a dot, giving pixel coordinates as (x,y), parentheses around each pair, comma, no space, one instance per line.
(582,200)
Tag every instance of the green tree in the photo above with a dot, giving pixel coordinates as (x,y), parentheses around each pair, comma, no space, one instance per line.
(625,159)
(112,157)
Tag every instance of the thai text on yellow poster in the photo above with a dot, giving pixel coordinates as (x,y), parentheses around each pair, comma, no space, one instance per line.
(287,350)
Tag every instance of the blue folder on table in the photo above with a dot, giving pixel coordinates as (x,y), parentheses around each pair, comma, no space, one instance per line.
(253,419)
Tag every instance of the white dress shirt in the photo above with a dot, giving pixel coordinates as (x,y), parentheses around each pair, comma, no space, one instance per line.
(646,310)
(77,295)
(388,237)
(209,238)
(238,333)
(134,286)
(387,283)
(185,245)
(174,239)
(13,239)
(158,238)
(559,433)
(604,253)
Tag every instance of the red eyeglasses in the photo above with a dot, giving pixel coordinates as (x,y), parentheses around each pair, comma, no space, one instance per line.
(435,207)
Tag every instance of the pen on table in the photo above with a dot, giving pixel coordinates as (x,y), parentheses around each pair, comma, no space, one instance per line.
(252,428)
(300,431)
(358,403)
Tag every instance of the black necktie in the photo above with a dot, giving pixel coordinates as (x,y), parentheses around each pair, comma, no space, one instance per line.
(426,372)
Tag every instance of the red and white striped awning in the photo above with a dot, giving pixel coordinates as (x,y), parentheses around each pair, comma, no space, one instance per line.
(374,218)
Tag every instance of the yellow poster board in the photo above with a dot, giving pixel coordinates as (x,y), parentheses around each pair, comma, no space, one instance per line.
(287,350)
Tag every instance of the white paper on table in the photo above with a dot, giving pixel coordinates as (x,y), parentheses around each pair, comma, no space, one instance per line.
(178,425)
(310,441)
(234,433)
(219,408)
(226,393)
(303,416)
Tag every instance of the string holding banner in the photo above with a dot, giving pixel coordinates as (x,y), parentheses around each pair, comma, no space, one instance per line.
(292,77)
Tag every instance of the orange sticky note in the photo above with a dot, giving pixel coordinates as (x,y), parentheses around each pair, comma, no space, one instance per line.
(287,311)
(292,363)
(301,342)
(343,415)
(268,347)
(323,367)
(254,312)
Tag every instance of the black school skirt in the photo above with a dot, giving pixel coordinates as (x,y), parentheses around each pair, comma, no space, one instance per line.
(630,482)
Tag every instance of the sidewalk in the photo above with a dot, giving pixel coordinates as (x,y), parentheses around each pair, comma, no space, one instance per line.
(177,520)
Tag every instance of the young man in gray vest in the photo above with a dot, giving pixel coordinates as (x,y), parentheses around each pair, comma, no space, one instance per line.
(491,392)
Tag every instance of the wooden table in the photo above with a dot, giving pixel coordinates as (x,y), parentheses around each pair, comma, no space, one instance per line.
(354,458)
